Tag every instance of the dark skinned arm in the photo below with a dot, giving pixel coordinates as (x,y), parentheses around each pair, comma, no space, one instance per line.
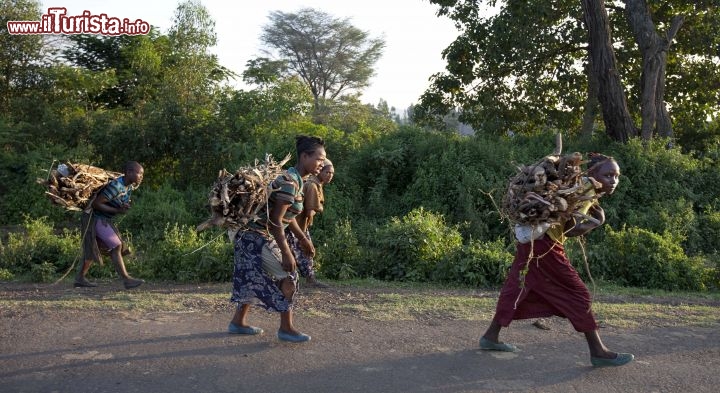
(102,204)
(278,233)
(309,214)
(574,228)
(305,243)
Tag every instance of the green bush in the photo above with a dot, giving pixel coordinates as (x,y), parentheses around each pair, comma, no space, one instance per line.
(713,273)
(709,232)
(42,272)
(668,201)
(638,257)
(154,209)
(338,254)
(186,256)
(38,251)
(6,275)
(23,160)
(414,246)
(478,263)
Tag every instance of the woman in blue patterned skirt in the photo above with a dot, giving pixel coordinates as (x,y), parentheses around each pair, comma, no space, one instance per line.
(265,267)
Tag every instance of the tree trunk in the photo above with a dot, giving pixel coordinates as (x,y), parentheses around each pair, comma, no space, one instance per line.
(664,124)
(653,47)
(611,94)
(591,103)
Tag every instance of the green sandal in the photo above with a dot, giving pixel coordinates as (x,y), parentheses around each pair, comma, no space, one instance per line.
(493,346)
(620,360)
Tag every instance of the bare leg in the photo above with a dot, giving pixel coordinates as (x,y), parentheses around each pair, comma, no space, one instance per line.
(240,317)
(80,280)
(493,332)
(286,323)
(597,348)
(491,339)
(83,269)
(116,256)
(287,286)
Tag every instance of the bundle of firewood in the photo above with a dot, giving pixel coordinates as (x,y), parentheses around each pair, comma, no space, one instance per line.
(549,190)
(236,198)
(73,185)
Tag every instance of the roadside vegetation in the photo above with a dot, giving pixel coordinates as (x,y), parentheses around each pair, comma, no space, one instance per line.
(412,201)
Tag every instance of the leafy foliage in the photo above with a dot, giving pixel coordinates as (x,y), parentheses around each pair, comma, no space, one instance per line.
(638,257)
(407,203)
(414,245)
(329,54)
(38,252)
(339,255)
(186,256)
(20,64)
(478,263)
(522,66)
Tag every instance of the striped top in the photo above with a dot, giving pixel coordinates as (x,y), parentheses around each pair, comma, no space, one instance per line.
(117,194)
(287,189)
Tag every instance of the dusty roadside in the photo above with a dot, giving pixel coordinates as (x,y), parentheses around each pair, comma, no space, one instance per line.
(172,338)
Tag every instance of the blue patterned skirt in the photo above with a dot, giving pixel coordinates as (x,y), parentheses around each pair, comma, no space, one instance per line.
(252,284)
(305,264)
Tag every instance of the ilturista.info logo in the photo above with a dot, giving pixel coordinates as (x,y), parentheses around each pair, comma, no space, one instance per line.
(56,21)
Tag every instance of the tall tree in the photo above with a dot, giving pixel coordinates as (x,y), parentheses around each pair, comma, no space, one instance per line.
(654,48)
(134,61)
(527,65)
(331,55)
(194,72)
(611,92)
(514,66)
(20,63)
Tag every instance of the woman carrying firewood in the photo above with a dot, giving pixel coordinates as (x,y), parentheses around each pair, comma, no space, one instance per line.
(265,266)
(542,282)
(313,203)
(100,234)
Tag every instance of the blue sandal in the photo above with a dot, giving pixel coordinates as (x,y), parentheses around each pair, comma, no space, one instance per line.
(293,338)
(247,330)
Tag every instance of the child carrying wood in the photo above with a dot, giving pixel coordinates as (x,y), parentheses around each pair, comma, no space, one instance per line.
(542,282)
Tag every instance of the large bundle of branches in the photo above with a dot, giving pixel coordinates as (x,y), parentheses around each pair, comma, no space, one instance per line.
(72,185)
(549,190)
(236,198)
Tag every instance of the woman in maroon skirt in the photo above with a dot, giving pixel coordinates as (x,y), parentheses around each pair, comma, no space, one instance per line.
(551,285)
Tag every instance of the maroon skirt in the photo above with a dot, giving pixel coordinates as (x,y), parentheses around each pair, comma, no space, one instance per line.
(552,286)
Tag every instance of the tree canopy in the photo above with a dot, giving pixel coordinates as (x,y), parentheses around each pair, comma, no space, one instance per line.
(528,64)
(330,54)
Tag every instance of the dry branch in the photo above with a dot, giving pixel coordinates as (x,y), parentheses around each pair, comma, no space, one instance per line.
(236,198)
(72,186)
(548,191)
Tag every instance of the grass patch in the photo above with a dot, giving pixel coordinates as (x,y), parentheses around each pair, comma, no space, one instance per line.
(377,300)
(649,294)
(124,301)
(634,315)
(394,306)
(371,283)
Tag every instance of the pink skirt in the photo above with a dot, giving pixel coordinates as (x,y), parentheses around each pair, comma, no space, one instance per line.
(105,235)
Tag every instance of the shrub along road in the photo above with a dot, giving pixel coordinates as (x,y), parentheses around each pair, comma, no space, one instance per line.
(172,338)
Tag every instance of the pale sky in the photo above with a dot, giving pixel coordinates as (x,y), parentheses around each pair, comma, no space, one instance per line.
(413,34)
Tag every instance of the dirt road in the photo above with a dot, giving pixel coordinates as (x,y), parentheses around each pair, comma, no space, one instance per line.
(59,339)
